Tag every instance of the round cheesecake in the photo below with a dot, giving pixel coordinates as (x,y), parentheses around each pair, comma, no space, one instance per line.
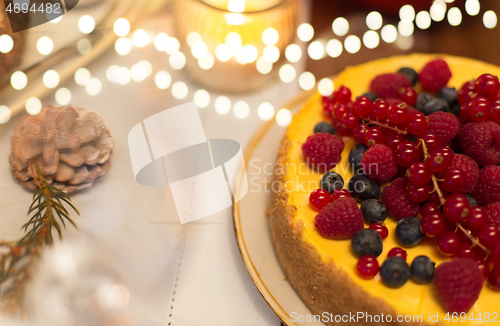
(323,271)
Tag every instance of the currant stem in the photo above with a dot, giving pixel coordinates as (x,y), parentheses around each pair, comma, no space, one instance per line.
(386,126)
(474,240)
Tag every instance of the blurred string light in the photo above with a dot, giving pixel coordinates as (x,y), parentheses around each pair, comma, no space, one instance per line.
(223,52)
(305,32)
(93,87)
(283,117)
(373,21)
(5,114)
(490,19)
(201,98)
(352,44)
(222,105)
(293,52)
(82,76)
(45,45)
(472,7)
(86,24)
(334,48)
(84,46)
(6,43)
(307,81)
(407,13)
(121,27)
(18,80)
(265,111)
(124,76)
(325,87)
(192,38)
(316,50)
(123,46)
(249,53)
(138,72)
(173,45)
(287,73)
(423,20)
(405,28)
(233,40)
(33,106)
(371,39)
(140,38)
(179,90)
(454,16)
(271,53)
(405,42)
(63,96)
(389,33)
(270,36)
(163,79)
(207,61)
(177,60)
(264,66)
(161,41)
(199,49)
(51,79)
(241,109)
(340,26)
(438,10)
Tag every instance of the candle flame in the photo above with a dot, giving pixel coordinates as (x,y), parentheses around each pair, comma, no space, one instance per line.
(236,5)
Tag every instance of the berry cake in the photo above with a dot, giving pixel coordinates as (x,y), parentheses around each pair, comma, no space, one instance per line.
(389,202)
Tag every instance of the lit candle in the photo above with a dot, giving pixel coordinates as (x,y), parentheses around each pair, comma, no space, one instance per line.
(239,35)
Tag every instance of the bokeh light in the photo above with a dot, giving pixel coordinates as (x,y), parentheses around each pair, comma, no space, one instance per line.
(438,10)
(374,20)
(6,44)
(283,117)
(51,79)
(192,38)
(265,111)
(371,39)
(5,114)
(407,13)
(352,44)
(63,96)
(222,105)
(201,98)
(161,42)
(293,52)
(316,50)
(334,48)
(121,27)
(472,7)
(207,61)
(19,80)
(140,38)
(340,26)
(94,86)
(454,16)
(264,66)
(271,53)
(86,24)
(199,49)
(173,45)
(45,45)
(423,20)
(270,36)
(287,73)
(82,76)
(223,52)
(490,19)
(163,79)
(179,90)
(33,106)
(389,33)
(123,46)
(124,76)
(307,81)
(305,32)
(325,87)
(177,60)
(249,53)
(138,72)
(241,109)
(84,46)
(405,28)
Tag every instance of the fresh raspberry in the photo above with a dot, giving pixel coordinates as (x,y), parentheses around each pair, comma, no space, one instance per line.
(397,202)
(493,213)
(435,75)
(469,168)
(388,85)
(322,151)
(458,283)
(378,163)
(481,141)
(487,189)
(340,219)
(444,125)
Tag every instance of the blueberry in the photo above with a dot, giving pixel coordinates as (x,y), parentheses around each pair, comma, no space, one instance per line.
(435,105)
(367,242)
(449,94)
(408,231)
(324,126)
(410,74)
(422,270)
(373,211)
(361,187)
(355,156)
(422,100)
(472,201)
(332,181)
(395,272)
(371,96)
(455,109)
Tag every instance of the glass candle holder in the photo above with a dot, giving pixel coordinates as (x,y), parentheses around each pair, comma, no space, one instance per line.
(233,45)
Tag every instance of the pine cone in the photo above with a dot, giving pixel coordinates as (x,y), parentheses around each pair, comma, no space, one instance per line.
(71,146)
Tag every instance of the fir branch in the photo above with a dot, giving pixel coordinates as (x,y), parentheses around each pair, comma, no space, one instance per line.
(20,258)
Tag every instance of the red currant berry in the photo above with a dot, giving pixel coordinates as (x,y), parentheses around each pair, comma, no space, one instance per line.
(406,154)
(489,235)
(453,180)
(362,106)
(327,106)
(495,112)
(342,95)
(439,159)
(339,193)
(479,109)
(417,194)
(408,95)
(397,252)
(434,197)
(476,218)
(368,266)
(392,138)
(373,136)
(456,207)
(350,120)
(380,109)
(340,128)
(339,109)
(359,133)
(484,267)
(494,278)
(430,208)
(380,229)
(487,85)
(398,113)
(467,92)
(416,124)
(419,174)
(319,198)
(431,143)
(495,253)
(434,225)
(466,251)
(448,243)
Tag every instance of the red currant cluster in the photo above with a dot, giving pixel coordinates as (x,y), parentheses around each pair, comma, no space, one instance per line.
(320,197)
(480,99)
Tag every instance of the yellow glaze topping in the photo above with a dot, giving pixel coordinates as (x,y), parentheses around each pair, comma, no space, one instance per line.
(412,298)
